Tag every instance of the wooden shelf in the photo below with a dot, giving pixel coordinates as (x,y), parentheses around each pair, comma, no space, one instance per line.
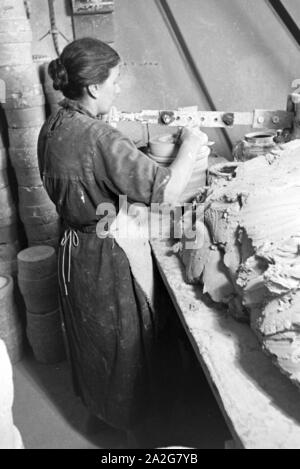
(260,405)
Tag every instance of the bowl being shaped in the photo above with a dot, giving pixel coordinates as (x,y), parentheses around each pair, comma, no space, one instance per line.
(163,147)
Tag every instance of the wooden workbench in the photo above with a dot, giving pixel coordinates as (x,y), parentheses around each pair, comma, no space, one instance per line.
(260,405)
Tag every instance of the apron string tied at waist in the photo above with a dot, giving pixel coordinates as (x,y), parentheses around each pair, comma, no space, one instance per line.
(70,239)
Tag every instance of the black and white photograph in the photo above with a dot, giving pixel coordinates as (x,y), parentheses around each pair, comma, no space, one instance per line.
(149,227)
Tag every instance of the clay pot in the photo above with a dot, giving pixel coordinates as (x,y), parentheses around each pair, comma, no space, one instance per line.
(15,30)
(8,232)
(37,262)
(7,207)
(38,214)
(45,336)
(28,177)
(22,138)
(20,78)
(8,258)
(161,160)
(11,220)
(223,171)
(163,147)
(40,296)
(53,242)
(22,118)
(29,196)
(15,54)
(42,233)
(25,99)
(254,144)
(23,157)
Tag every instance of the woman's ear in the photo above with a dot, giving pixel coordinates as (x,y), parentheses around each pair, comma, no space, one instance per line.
(93,91)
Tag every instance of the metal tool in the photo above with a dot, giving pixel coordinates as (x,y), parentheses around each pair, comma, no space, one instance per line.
(258,119)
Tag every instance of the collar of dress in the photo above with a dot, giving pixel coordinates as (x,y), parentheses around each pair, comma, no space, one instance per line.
(76,106)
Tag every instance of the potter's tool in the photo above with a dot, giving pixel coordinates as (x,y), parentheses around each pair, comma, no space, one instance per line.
(260,119)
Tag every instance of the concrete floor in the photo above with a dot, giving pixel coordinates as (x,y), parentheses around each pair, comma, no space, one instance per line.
(50,416)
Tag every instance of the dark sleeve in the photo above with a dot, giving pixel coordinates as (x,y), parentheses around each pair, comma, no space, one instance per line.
(128,171)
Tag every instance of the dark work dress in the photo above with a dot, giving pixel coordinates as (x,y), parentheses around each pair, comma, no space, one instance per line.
(114,338)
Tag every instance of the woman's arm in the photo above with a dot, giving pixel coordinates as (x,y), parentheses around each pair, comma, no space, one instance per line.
(193,143)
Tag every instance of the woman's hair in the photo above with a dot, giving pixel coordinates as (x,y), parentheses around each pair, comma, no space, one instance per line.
(83,62)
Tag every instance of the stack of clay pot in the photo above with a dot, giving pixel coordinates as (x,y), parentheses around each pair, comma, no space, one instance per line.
(9,244)
(11,331)
(25,114)
(8,215)
(37,277)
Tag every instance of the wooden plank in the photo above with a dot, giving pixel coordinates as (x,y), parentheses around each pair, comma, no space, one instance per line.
(260,405)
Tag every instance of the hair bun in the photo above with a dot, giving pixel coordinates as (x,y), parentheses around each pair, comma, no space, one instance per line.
(59,74)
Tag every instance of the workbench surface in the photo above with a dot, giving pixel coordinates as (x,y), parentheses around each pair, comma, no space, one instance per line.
(260,405)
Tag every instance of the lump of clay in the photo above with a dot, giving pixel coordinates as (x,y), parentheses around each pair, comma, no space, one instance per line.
(252,259)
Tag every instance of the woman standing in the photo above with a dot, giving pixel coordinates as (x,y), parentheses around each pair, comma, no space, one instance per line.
(113,334)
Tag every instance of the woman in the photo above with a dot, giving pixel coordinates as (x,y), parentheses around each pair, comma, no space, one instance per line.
(113,334)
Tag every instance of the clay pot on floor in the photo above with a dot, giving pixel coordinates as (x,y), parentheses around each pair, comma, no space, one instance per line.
(37,278)
(37,262)
(40,296)
(44,332)
(52,242)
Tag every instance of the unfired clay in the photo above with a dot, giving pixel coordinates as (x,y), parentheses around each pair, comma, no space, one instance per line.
(252,261)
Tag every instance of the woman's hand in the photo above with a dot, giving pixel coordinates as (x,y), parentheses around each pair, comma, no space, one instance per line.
(194,147)
(204,152)
(194,136)
(197,139)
